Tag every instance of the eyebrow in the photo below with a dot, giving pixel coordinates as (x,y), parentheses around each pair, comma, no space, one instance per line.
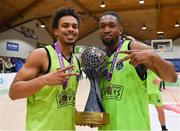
(69,23)
(109,22)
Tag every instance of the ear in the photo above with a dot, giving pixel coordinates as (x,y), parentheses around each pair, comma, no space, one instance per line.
(120,30)
(55,32)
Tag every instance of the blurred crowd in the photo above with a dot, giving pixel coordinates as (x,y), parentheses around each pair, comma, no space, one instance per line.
(10,64)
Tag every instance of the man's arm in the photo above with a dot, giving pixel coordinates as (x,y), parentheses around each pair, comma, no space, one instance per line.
(142,54)
(31,77)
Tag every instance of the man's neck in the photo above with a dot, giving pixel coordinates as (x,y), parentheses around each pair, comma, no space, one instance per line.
(66,50)
(112,47)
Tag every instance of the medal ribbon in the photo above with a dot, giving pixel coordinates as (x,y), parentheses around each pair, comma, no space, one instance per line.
(61,61)
(109,75)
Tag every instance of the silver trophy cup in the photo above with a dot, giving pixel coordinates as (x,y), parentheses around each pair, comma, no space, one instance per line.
(93,63)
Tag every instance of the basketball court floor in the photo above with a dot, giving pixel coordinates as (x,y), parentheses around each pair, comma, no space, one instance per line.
(12,113)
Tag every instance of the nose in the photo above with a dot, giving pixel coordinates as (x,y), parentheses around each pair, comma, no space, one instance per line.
(70,29)
(106,29)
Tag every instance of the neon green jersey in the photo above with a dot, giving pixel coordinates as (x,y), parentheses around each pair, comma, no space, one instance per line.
(53,108)
(154,95)
(125,97)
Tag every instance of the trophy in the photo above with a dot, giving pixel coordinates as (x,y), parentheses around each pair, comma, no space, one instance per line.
(93,63)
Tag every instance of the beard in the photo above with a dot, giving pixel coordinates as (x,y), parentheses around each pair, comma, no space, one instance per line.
(109,42)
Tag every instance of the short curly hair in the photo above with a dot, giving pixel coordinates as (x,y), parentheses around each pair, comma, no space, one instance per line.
(61,13)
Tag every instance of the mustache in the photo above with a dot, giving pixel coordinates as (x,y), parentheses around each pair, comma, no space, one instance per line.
(70,33)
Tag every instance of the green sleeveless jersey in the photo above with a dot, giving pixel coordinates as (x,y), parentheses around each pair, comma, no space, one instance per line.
(154,95)
(125,97)
(152,87)
(53,108)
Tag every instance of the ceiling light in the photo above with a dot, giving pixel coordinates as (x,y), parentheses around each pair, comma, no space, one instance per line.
(160,32)
(177,25)
(102,4)
(160,35)
(43,25)
(144,27)
(141,1)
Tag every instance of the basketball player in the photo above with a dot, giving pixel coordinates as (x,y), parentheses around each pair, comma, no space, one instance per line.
(49,78)
(155,98)
(123,90)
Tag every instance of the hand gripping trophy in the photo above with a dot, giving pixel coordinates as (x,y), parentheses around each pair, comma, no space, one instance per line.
(93,62)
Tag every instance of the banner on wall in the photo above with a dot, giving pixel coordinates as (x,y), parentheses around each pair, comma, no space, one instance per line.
(176,63)
(28,32)
(12,46)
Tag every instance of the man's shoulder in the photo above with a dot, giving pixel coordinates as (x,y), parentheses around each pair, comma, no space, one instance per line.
(137,45)
(38,52)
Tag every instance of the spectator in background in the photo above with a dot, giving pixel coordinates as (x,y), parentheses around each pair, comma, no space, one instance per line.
(8,65)
(162,85)
(17,63)
(1,65)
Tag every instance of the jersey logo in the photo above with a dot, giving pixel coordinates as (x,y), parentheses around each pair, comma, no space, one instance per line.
(159,100)
(119,66)
(112,92)
(65,98)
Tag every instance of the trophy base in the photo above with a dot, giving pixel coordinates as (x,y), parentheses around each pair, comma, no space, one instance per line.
(94,119)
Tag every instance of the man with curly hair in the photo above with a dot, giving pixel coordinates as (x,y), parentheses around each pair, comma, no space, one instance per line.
(49,78)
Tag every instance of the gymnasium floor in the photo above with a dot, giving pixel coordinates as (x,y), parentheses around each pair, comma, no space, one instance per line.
(12,113)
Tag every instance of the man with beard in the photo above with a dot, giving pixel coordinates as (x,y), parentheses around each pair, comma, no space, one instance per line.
(126,98)
(49,78)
